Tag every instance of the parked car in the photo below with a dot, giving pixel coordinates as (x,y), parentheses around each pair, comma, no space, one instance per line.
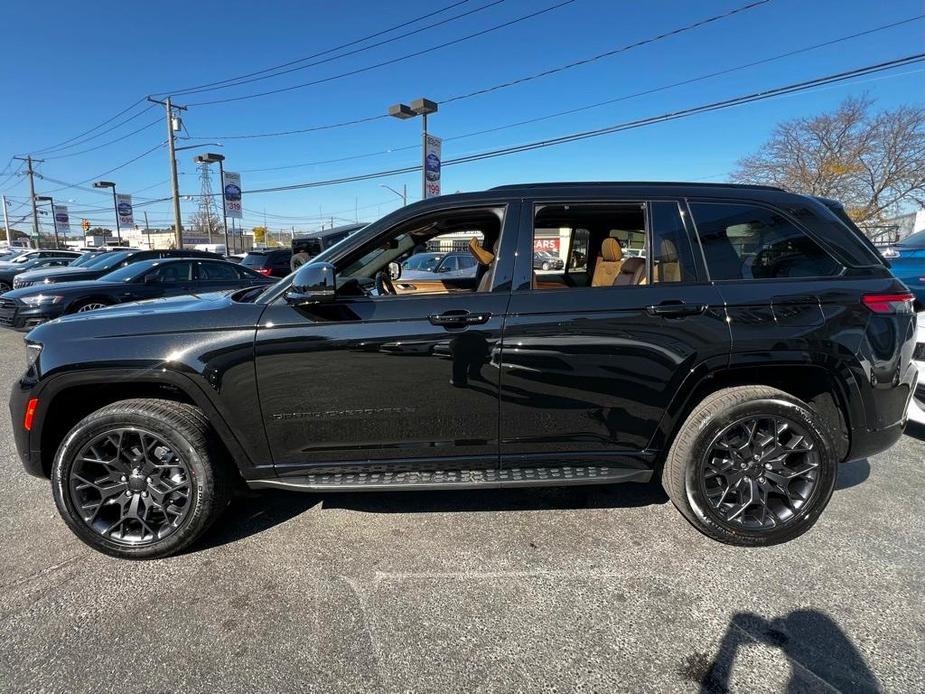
(106,262)
(8,253)
(546,261)
(28,255)
(271,262)
(422,262)
(453,265)
(23,309)
(739,375)
(235,257)
(917,406)
(48,259)
(907,259)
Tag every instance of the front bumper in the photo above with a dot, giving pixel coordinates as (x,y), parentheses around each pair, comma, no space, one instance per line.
(19,316)
(31,459)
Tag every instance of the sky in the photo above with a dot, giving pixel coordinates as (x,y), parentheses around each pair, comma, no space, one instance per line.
(72,66)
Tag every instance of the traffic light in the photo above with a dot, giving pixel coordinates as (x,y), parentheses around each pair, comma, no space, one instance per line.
(85,223)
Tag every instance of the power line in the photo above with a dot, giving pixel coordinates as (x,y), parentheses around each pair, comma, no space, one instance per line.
(459,97)
(629,125)
(392,61)
(87,132)
(110,142)
(276,72)
(587,107)
(104,173)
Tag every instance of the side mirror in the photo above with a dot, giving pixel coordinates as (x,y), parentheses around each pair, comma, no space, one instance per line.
(394,270)
(313,284)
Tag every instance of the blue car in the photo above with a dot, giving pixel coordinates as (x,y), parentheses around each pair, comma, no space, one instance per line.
(907,260)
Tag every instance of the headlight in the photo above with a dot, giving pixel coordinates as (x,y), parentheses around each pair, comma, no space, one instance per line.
(48,280)
(41,299)
(33,350)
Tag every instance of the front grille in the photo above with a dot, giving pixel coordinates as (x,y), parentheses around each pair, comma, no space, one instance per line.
(919,353)
(19,284)
(7,311)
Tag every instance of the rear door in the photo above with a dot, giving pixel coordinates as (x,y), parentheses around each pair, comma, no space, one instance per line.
(216,275)
(173,278)
(594,356)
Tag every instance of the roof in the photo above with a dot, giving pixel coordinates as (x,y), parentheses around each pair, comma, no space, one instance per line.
(632,184)
(349,228)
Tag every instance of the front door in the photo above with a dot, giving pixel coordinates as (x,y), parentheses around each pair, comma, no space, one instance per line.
(381,382)
(594,353)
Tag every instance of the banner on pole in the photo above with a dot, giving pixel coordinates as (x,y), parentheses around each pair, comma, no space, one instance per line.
(231,189)
(62,221)
(432,153)
(124,210)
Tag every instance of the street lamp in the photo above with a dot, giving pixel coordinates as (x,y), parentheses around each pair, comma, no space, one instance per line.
(211,158)
(51,204)
(418,107)
(403,195)
(115,204)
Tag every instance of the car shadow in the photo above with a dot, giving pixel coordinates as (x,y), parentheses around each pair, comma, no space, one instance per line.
(814,645)
(255,512)
(852,474)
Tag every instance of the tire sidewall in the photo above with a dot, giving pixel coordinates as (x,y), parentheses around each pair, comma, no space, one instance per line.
(825,484)
(200,483)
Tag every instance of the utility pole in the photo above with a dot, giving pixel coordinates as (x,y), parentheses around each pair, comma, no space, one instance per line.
(148,230)
(6,222)
(35,213)
(174,182)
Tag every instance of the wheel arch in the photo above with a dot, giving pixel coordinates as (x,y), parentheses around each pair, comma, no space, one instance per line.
(67,398)
(822,383)
(102,299)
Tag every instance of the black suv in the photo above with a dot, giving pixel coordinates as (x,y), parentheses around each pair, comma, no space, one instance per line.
(751,342)
(271,262)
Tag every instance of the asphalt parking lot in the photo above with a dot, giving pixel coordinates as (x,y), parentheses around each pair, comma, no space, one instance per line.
(582,589)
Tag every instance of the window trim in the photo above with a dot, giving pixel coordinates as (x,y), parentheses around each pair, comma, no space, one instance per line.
(773,208)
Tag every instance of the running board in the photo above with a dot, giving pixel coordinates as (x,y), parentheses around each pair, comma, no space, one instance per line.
(456,479)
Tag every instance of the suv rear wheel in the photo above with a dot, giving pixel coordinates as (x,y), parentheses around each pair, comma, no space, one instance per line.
(139,479)
(752,466)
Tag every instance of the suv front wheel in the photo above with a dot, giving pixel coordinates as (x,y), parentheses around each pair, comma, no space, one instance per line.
(751,466)
(139,479)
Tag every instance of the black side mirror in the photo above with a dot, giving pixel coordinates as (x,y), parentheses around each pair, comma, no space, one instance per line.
(313,284)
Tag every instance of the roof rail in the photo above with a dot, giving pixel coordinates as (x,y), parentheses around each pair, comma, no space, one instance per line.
(662,184)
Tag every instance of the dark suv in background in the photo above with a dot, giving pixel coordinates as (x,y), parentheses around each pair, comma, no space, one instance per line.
(270,262)
(746,343)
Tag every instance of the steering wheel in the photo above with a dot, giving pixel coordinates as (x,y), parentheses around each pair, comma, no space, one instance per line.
(384,284)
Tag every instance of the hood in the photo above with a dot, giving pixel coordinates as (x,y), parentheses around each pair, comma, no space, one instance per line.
(63,274)
(176,314)
(64,289)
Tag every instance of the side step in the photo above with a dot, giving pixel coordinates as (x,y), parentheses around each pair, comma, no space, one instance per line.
(455,479)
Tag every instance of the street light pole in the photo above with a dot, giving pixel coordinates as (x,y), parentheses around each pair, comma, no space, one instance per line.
(211,158)
(54,223)
(115,205)
(403,195)
(419,107)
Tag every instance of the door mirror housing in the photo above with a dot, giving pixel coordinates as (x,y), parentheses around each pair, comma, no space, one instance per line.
(313,284)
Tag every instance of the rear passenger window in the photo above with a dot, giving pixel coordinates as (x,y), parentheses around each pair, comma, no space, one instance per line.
(742,241)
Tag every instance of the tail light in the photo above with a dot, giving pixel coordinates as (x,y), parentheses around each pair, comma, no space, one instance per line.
(265,271)
(889,303)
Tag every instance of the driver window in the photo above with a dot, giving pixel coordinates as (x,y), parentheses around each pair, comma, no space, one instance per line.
(446,252)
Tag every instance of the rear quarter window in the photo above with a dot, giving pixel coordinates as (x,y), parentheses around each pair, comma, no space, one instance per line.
(742,241)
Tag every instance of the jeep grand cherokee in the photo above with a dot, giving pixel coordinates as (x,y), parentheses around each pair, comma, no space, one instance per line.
(747,343)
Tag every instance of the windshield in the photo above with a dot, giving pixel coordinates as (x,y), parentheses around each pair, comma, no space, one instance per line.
(916,240)
(129,272)
(109,260)
(85,259)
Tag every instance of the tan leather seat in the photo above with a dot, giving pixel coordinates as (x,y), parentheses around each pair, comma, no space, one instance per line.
(608,264)
(484,258)
(633,271)
(669,263)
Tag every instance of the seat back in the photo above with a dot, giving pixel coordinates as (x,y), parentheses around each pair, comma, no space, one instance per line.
(668,268)
(484,258)
(608,264)
(632,272)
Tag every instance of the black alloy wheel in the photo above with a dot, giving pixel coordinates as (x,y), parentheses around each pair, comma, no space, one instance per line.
(130,486)
(759,473)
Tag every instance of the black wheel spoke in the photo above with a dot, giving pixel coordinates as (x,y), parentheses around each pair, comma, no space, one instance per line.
(130,486)
(759,472)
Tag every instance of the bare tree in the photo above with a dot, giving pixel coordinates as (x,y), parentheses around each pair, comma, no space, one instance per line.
(873,163)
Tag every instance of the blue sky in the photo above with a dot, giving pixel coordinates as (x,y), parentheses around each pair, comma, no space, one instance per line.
(73,65)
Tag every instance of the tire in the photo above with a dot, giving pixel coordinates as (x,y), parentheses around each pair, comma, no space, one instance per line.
(88,305)
(179,498)
(702,467)
(545,266)
(5,287)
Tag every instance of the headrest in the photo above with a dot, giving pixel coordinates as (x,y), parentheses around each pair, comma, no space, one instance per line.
(611,251)
(669,251)
(481,256)
(632,265)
